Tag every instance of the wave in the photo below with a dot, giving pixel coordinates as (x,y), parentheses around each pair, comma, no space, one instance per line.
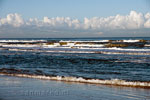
(74,41)
(85,50)
(147,45)
(131,41)
(55,51)
(86,46)
(85,41)
(73,44)
(44,45)
(18,45)
(118,49)
(116,82)
(128,41)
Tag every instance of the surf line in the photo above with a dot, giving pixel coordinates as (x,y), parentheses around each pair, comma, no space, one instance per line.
(115,82)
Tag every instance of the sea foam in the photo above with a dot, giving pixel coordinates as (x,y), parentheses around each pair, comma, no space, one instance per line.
(116,82)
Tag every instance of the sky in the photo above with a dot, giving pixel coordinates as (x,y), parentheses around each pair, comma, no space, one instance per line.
(74,18)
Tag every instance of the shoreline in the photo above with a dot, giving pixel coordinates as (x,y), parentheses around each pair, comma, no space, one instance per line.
(113,82)
(16,88)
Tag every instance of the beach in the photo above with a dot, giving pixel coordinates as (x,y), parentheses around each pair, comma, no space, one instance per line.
(75,50)
(16,88)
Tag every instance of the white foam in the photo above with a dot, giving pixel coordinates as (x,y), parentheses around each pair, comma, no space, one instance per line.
(82,41)
(83,80)
(58,51)
(118,49)
(114,48)
(78,51)
(89,45)
(19,45)
(85,41)
(79,46)
(147,45)
(131,41)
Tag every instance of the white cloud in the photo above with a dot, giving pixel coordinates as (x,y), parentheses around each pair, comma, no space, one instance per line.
(147,24)
(12,19)
(133,20)
(61,22)
(147,16)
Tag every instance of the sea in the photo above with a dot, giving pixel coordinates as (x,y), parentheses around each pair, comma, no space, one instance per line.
(123,61)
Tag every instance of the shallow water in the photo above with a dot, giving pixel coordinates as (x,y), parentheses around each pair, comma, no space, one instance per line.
(14,88)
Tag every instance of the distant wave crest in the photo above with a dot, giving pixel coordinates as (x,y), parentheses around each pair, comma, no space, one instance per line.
(127,47)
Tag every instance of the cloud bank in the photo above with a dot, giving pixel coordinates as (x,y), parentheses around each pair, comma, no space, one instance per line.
(65,25)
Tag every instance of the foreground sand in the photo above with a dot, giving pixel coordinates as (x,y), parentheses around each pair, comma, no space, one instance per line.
(15,88)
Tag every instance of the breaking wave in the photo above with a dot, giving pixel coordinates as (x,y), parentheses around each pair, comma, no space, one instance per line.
(129,41)
(85,41)
(77,44)
(84,50)
(115,82)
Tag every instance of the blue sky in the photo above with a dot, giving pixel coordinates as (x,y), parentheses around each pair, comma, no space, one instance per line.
(74,9)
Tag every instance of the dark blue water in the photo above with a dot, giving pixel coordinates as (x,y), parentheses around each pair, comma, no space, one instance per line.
(131,67)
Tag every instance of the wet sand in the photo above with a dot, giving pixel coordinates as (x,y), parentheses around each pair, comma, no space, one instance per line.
(16,88)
